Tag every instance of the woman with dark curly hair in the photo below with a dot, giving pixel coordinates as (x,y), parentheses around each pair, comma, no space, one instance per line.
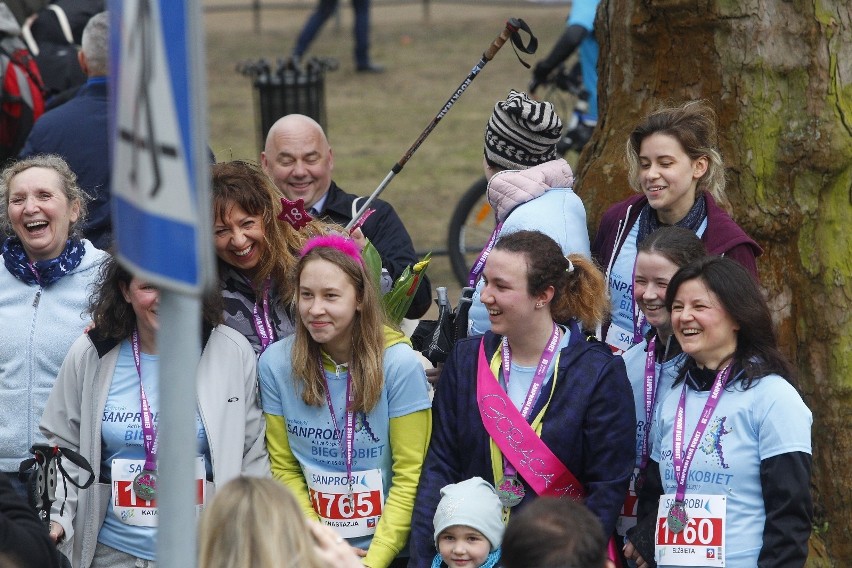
(105,405)
(257,252)
(47,270)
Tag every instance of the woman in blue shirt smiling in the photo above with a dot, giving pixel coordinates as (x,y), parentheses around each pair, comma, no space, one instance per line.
(729,475)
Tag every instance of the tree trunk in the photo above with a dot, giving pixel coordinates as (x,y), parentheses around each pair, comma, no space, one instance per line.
(779,73)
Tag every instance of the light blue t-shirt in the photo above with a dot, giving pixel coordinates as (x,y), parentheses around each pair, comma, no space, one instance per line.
(559,214)
(311,429)
(621,290)
(521,377)
(665,373)
(122,438)
(765,421)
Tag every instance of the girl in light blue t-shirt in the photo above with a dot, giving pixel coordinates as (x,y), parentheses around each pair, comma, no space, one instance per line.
(346,404)
(652,365)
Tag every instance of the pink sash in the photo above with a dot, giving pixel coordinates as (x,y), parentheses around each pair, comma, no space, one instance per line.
(520,444)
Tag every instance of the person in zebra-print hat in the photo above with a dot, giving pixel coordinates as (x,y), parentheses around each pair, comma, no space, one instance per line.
(530,186)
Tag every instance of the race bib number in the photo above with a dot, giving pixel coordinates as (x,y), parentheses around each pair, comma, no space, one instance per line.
(627,516)
(702,541)
(351,515)
(130,509)
(619,340)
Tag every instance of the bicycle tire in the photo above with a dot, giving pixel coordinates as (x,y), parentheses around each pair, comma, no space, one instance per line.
(468,232)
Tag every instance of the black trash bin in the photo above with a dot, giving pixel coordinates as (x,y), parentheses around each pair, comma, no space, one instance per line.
(291,87)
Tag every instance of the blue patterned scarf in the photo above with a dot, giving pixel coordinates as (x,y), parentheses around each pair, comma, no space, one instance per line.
(41,272)
(648,221)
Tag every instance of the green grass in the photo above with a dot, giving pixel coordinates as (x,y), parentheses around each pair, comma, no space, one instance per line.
(372,120)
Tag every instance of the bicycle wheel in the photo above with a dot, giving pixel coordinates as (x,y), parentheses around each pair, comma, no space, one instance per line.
(470,227)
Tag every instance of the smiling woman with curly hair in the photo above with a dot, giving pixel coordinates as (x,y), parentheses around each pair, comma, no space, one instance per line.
(44,281)
(257,252)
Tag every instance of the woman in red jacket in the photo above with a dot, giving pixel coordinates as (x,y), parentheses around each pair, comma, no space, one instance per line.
(674,163)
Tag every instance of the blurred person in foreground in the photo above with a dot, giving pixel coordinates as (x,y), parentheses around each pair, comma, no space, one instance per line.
(24,540)
(555,533)
(256,523)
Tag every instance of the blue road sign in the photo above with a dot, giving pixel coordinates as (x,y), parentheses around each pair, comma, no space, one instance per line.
(160,214)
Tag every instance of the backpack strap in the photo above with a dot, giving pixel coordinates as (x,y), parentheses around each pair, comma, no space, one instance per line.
(64,25)
(27,36)
(63,22)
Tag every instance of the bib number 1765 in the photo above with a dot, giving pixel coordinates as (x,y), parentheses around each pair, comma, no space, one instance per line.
(339,506)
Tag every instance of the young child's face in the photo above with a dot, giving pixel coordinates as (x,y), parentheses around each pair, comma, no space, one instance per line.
(463,547)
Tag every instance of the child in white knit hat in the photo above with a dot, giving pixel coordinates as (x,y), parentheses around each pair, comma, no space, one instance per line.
(468,525)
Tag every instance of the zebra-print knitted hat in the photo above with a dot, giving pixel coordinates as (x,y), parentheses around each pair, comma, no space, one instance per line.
(522,132)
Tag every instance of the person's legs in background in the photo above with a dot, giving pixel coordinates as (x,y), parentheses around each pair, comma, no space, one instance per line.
(363,63)
(312,26)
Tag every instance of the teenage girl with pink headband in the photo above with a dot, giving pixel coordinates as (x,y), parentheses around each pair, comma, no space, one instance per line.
(346,404)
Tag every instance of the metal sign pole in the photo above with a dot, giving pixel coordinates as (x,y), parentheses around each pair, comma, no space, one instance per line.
(180,316)
(179,347)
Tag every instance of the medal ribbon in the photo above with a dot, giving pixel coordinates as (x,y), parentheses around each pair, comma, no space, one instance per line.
(535,387)
(149,431)
(638,316)
(262,318)
(479,265)
(682,462)
(650,398)
(348,446)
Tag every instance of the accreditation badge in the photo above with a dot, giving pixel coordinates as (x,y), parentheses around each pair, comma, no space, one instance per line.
(136,511)
(618,339)
(702,540)
(351,514)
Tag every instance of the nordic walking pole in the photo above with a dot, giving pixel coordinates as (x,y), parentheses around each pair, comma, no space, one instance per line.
(513,26)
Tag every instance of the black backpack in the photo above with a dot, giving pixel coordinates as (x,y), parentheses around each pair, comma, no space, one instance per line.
(53,38)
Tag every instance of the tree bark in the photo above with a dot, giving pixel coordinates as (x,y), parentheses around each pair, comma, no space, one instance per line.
(779,74)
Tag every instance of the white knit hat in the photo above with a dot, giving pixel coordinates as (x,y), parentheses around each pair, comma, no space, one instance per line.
(472,503)
(522,132)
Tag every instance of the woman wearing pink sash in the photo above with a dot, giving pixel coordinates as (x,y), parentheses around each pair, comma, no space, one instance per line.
(534,407)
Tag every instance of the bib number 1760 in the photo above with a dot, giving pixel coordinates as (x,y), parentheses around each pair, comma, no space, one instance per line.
(698,531)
